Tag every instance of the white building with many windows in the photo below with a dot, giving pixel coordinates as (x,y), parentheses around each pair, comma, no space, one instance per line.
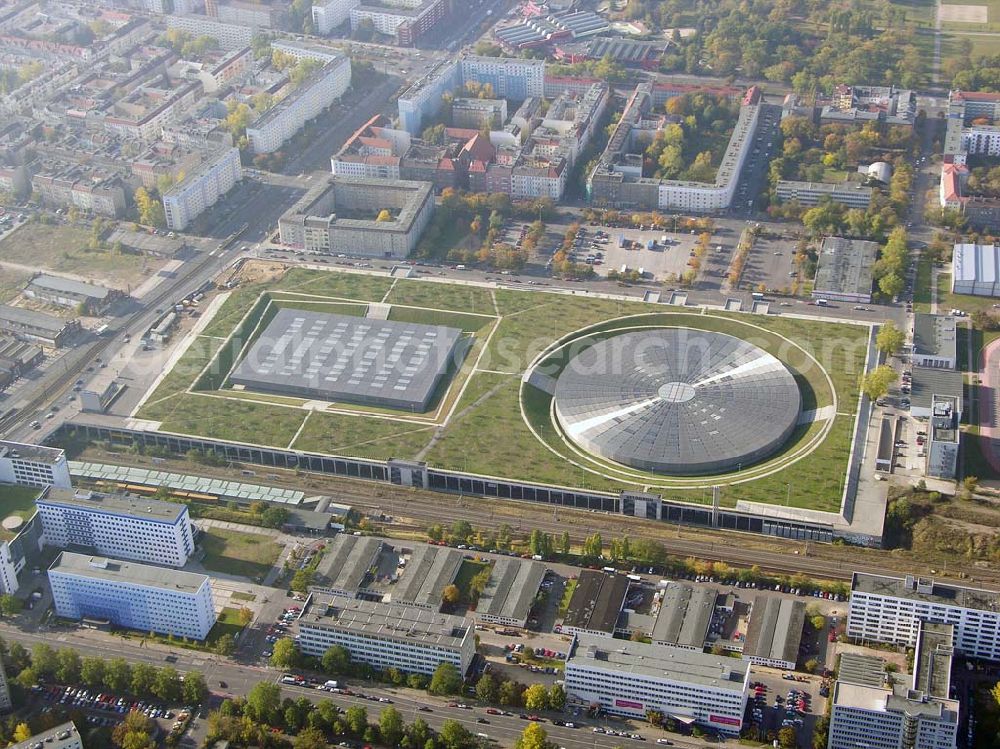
(200,189)
(873,712)
(387,635)
(329,14)
(632,678)
(279,123)
(131,595)
(145,530)
(63,736)
(891,609)
(33,465)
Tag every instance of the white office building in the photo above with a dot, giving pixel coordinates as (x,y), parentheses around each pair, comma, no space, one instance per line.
(387,635)
(131,595)
(632,678)
(137,528)
(33,465)
(230,36)
(872,711)
(201,188)
(278,124)
(891,609)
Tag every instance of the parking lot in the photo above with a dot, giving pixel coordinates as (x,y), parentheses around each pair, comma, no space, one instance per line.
(103,709)
(662,256)
(781,699)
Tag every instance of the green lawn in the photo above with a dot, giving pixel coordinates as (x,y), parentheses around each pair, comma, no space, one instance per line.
(17,500)
(362,436)
(442,296)
(231,616)
(463,580)
(239,596)
(967,303)
(335,284)
(922,286)
(247,554)
(468,323)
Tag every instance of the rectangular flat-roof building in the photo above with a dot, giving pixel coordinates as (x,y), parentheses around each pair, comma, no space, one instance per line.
(596,603)
(632,678)
(844,270)
(870,712)
(975,269)
(33,465)
(685,616)
(774,633)
(850,194)
(927,382)
(63,736)
(935,341)
(508,597)
(28,325)
(944,438)
(141,529)
(429,570)
(131,595)
(66,292)
(345,567)
(891,609)
(349,359)
(387,635)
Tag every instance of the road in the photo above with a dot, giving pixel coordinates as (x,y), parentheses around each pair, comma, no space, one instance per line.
(239,678)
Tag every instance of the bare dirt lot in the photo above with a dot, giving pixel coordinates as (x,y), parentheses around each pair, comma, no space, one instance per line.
(964,13)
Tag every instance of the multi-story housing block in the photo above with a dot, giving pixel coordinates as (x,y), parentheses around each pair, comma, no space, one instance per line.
(201,188)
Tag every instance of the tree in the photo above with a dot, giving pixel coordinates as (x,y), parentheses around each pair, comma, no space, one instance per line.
(995,693)
(564,543)
(284,654)
(336,660)
(143,678)
(356,719)
(263,702)
(786,738)
(593,546)
(557,697)
(194,690)
(246,615)
(454,735)
(510,694)
(383,215)
(811,665)
(168,684)
(533,737)
(68,670)
(301,580)
(309,738)
(818,622)
(875,384)
(390,725)
(92,672)
(274,517)
(536,697)
(44,660)
(10,605)
(150,208)
(117,675)
(890,338)
(891,285)
(446,680)
(225,645)
(22,732)
(487,689)
(450,594)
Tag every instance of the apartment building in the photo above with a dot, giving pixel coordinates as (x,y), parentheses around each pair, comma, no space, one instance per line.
(876,711)
(510,77)
(277,125)
(631,678)
(891,610)
(373,151)
(131,595)
(330,14)
(406,20)
(33,465)
(92,191)
(971,130)
(423,98)
(137,528)
(387,635)
(65,292)
(143,112)
(230,36)
(201,188)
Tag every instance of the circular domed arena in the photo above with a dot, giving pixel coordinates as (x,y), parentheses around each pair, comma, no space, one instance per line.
(677,401)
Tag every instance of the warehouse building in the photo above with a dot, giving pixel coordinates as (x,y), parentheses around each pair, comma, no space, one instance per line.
(774,633)
(510,594)
(632,678)
(387,635)
(133,596)
(844,270)
(346,566)
(88,298)
(892,609)
(339,215)
(349,359)
(975,269)
(123,527)
(33,465)
(935,341)
(685,616)
(871,711)
(38,327)
(596,603)
(429,570)
(17,358)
